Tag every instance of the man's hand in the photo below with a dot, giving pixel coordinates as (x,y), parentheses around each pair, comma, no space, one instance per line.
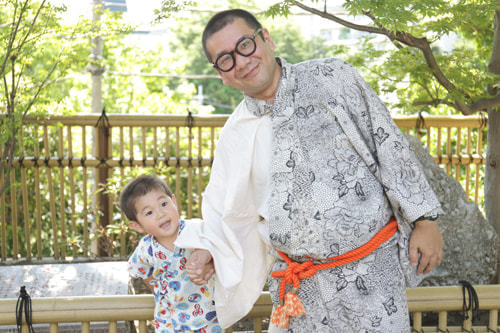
(200,267)
(427,241)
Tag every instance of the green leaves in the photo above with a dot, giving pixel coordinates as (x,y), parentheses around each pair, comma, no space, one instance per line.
(439,53)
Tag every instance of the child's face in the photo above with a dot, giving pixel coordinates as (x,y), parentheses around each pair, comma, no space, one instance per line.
(157,215)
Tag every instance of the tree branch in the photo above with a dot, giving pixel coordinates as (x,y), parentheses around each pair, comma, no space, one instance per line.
(405,38)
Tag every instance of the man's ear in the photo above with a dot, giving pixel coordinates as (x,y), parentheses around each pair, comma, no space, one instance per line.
(268,39)
(136,226)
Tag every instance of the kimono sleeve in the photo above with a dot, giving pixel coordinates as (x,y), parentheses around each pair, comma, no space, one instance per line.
(398,169)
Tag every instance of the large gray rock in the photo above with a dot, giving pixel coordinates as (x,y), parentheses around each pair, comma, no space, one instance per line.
(470,251)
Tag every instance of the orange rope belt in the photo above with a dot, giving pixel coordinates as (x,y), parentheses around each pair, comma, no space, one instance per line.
(291,304)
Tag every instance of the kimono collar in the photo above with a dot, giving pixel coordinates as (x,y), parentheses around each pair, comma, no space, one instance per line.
(259,107)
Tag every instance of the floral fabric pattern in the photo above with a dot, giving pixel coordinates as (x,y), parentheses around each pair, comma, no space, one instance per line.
(340,169)
(181,306)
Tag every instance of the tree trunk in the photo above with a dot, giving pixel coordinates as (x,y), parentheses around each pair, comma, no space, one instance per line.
(492,175)
(492,170)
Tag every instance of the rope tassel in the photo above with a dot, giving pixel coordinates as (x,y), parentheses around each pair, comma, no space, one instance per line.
(293,305)
(279,317)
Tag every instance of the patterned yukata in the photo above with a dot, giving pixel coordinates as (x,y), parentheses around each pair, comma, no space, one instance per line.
(181,306)
(334,186)
(318,173)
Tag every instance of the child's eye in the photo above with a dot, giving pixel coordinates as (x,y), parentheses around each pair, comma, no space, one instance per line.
(148,213)
(164,204)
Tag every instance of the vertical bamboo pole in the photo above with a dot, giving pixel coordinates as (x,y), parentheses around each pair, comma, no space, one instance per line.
(38,211)
(62,197)
(52,203)
(123,243)
(439,152)
(478,167)
(190,173)
(200,168)
(14,217)
(155,146)
(143,145)
(72,189)
(112,327)
(86,327)
(459,153)
(493,320)
(24,187)
(448,151)
(167,146)
(178,169)
(86,240)
(467,167)
(443,321)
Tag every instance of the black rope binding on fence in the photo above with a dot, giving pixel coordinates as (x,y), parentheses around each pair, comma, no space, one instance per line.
(190,120)
(473,301)
(103,120)
(23,304)
(483,120)
(420,123)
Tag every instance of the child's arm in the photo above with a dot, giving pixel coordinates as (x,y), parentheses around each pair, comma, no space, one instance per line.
(200,267)
(150,282)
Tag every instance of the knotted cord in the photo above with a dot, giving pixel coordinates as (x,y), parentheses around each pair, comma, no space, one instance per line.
(23,304)
(290,304)
(473,304)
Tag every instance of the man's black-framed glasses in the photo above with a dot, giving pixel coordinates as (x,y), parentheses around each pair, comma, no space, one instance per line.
(246,46)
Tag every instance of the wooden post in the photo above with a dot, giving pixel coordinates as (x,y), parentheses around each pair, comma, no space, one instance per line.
(103,173)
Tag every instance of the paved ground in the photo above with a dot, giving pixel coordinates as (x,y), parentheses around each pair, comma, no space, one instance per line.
(63,280)
(57,280)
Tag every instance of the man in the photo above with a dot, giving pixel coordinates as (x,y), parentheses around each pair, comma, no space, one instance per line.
(310,166)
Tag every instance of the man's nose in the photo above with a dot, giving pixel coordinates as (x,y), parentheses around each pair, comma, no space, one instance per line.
(240,61)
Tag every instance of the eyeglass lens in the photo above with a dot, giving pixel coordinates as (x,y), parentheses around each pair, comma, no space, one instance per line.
(245,47)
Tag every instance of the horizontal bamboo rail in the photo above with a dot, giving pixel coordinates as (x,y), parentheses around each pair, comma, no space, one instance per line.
(113,309)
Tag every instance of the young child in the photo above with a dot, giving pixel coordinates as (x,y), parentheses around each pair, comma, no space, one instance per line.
(181,306)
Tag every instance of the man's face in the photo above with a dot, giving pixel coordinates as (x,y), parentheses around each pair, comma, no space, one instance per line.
(256,75)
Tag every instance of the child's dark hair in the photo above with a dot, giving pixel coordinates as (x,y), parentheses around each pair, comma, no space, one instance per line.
(138,187)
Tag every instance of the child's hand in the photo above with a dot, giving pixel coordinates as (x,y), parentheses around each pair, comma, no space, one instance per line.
(200,267)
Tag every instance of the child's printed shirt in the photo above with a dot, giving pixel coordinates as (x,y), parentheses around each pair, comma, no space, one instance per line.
(181,305)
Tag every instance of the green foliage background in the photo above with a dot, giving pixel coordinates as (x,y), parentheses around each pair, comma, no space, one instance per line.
(396,71)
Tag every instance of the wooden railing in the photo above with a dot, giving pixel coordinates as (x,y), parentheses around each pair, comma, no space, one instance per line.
(436,302)
(53,209)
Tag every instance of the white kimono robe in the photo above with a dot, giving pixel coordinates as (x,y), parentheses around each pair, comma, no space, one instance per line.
(235,215)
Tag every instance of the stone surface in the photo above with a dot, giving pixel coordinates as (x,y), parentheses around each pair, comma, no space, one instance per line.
(62,280)
(471,243)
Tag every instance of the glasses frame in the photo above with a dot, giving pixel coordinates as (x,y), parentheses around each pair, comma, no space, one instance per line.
(252,38)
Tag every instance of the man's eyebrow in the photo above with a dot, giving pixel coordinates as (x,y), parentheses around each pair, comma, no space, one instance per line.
(239,40)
